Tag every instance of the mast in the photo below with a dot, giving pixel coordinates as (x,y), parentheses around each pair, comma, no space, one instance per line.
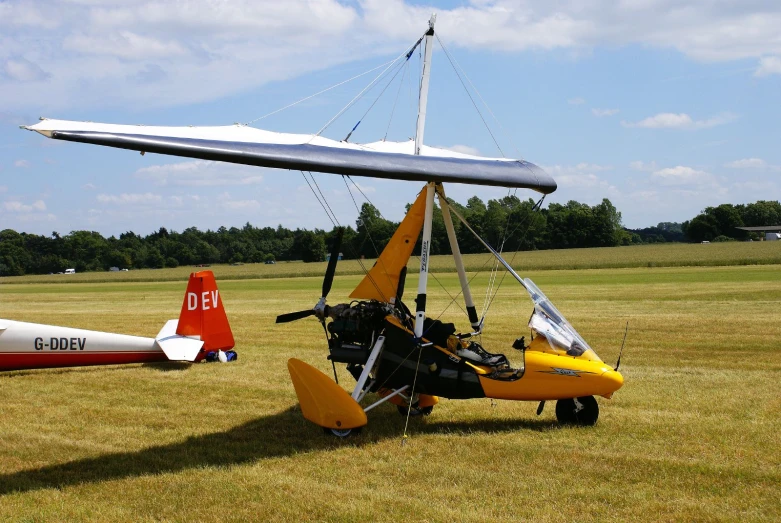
(423,98)
(420,310)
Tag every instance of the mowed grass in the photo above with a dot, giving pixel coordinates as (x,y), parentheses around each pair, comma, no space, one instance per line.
(692,436)
(656,255)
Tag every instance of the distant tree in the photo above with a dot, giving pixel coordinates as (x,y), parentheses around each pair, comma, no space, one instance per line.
(702,227)
(309,246)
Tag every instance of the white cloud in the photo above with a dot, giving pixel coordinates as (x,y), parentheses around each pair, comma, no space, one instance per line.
(22,70)
(682,175)
(117,52)
(768,65)
(89,187)
(580,176)
(242,205)
(578,168)
(3,188)
(576,101)
(124,44)
(680,121)
(201,173)
(747,163)
(643,166)
(130,198)
(25,14)
(17,206)
(603,112)
(226,201)
(22,164)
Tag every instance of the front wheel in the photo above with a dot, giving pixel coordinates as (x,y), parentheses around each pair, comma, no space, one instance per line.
(582,411)
(341,433)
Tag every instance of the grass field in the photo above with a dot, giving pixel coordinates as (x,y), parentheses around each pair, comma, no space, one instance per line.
(655,255)
(692,436)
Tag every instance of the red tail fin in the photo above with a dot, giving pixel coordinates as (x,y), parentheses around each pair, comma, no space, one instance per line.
(203,314)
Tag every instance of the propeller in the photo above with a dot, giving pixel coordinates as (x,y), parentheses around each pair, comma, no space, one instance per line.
(293,316)
(402,280)
(331,269)
(320,308)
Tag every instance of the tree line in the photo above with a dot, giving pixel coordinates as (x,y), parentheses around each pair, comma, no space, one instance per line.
(714,224)
(508,223)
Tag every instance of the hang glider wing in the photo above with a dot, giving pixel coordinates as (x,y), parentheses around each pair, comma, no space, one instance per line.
(250,146)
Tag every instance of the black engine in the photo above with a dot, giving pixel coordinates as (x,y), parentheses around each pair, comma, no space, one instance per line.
(354,329)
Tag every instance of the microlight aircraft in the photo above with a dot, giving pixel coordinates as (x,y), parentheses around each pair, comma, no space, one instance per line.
(402,356)
(202,327)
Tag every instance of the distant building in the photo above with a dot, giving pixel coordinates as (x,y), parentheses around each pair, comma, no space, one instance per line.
(328,257)
(770,232)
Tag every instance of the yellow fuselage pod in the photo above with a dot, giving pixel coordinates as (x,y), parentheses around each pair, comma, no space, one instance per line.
(322,401)
(547,373)
(552,377)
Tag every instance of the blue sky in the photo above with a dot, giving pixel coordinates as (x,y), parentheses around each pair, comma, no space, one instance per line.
(663,107)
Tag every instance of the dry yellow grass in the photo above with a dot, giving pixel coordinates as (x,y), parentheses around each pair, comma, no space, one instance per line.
(692,436)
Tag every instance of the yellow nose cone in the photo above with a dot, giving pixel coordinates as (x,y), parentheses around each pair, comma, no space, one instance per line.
(612,380)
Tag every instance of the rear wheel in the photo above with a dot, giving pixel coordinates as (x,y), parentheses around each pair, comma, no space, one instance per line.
(577,411)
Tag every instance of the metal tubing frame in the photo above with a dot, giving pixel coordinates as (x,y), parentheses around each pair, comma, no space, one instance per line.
(386,398)
(368,368)
(424,79)
(425,251)
(493,251)
(451,236)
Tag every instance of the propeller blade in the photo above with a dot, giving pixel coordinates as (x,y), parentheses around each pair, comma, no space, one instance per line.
(331,269)
(402,280)
(293,316)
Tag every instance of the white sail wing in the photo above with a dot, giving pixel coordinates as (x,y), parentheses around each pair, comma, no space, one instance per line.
(251,146)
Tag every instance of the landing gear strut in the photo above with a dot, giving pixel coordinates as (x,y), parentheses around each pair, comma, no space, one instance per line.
(577,411)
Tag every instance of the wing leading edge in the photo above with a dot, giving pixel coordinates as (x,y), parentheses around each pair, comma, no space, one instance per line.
(334,158)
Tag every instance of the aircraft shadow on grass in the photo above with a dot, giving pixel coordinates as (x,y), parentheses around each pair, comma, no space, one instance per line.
(163,366)
(276,435)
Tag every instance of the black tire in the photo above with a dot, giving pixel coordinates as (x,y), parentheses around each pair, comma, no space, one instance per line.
(568,413)
(415,411)
(342,433)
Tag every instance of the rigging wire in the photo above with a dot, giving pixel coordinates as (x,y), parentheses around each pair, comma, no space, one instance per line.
(324,199)
(411,396)
(326,208)
(537,207)
(335,222)
(495,270)
(368,235)
(470,97)
(453,299)
(402,68)
(393,110)
(318,93)
(365,89)
(499,123)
